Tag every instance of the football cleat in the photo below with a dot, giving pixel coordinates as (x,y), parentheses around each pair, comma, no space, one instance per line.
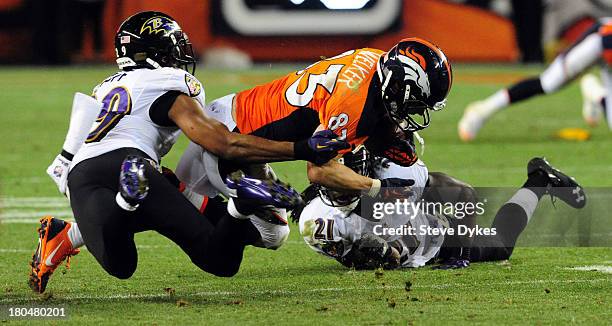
(133,183)
(54,247)
(560,185)
(253,196)
(453,263)
(592,95)
(471,122)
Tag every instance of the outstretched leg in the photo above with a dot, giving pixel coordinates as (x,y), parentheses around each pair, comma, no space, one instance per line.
(565,68)
(513,216)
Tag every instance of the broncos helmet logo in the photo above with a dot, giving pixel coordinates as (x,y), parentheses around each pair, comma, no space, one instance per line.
(409,52)
(158,24)
(414,67)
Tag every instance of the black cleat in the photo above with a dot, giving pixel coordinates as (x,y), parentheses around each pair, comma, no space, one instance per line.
(560,185)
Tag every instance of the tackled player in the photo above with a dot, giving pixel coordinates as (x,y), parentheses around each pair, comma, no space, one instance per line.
(367,96)
(339,226)
(141,111)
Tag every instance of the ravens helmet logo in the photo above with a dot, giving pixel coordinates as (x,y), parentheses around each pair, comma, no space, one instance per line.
(157,24)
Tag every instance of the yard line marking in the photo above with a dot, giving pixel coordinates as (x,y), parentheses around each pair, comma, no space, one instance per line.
(29,214)
(14,250)
(293,292)
(593,268)
(8,180)
(22,201)
(26,202)
(20,250)
(22,220)
(53,204)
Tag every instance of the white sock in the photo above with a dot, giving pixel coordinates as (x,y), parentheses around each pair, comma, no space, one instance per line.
(495,102)
(85,109)
(273,236)
(74,234)
(233,211)
(121,202)
(527,199)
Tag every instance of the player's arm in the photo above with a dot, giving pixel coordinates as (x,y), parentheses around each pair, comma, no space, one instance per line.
(216,138)
(84,111)
(337,176)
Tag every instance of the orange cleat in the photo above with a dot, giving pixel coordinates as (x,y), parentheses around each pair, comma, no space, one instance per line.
(54,247)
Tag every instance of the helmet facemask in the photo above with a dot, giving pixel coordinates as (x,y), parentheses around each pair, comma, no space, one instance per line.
(403,100)
(182,52)
(415,78)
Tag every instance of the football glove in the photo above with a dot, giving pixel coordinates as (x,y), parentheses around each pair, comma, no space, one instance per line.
(371,252)
(401,152)
(58,171)
(320,148)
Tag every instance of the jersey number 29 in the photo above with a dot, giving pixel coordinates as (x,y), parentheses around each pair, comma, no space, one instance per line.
(115,105)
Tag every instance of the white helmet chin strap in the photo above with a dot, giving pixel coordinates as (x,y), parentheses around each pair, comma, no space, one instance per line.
(125,62)
(152,63)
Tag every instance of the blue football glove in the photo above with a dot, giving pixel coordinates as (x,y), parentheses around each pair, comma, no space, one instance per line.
(320,148)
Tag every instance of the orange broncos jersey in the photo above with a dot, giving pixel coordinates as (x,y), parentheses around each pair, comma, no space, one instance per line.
(332,93)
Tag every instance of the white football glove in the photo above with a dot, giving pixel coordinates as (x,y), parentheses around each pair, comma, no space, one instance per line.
(58,171)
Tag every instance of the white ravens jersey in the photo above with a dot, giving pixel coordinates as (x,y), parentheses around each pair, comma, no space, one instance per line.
(332,231)
(126,98)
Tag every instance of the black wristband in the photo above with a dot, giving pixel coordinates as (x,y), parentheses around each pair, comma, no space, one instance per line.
(67,155)
(301,151)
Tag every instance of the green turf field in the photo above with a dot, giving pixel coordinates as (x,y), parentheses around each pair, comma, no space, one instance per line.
(293,284)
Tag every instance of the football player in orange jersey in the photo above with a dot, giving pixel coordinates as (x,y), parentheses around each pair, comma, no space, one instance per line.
(593,48)
(365,96)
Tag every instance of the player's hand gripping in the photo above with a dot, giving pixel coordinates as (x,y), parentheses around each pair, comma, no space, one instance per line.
(320,148)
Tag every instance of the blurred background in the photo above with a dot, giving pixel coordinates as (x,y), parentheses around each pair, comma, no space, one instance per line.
(236,33)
